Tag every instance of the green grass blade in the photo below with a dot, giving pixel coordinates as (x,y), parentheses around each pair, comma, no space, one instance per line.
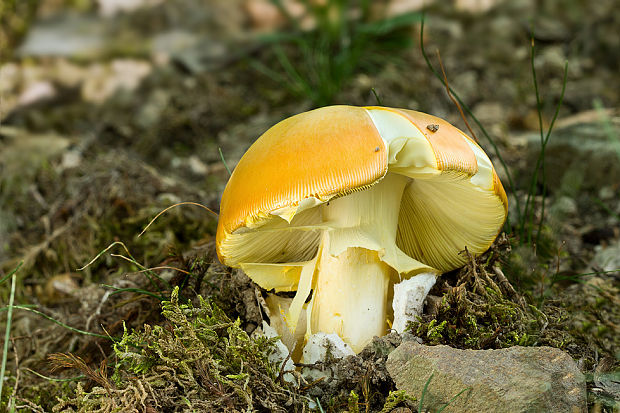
(424,392)
(6,277)
(7,335)
(466,108)
(60,323)
(374,92)
(118,290)
(610,130)
(530,214)
(318,403)
(453,399)
(299,83)
(80,377)
(607,209)
(224,161)
(544,148)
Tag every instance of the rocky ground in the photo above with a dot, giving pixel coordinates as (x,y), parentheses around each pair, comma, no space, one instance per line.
(109,116)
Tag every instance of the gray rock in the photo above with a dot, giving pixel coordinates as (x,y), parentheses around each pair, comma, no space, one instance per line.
(563,207)
(581,154)
(65,35)
(607,258)
(516,379)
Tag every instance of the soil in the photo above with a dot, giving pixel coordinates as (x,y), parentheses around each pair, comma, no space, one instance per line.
(103,130)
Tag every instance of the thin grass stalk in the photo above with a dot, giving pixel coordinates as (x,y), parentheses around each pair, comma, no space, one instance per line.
(456,396)
(540,161)
(52,319)
(224,161)
(7,334)
(118,290)
(10,274)
(540,164)
(456,103)
(131,259)
(377,98)
(69,379)
(470,113)
(578,278)
(542,154)
(424,393)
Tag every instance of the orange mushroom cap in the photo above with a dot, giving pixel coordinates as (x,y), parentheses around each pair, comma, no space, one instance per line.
(269,211)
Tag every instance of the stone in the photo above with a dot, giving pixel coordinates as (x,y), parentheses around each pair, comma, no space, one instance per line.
(490,112)
(71,159)
(106,79)
(65,35)
(37,91)
(607,258)
(110,8)
(59,288)
(475,6)
(581,153)
(563,207)
(516,379)
(397,7)
(197,166)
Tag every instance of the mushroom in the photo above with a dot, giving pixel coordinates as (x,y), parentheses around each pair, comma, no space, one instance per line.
(345,202)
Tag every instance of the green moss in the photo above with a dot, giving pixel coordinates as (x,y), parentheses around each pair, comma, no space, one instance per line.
(396,398)
(199,358)
(354,402)
(481,311)
(434,331)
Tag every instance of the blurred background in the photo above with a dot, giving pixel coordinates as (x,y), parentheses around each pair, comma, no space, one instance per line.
(112,110)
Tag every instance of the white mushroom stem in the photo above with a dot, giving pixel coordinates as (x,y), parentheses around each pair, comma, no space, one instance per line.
(356,263)
(351,281)
(350,296)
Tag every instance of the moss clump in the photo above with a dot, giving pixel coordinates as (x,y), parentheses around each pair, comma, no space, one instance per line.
(479,309)
(200,360)
(364,374)
(466,319)
(397,398)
